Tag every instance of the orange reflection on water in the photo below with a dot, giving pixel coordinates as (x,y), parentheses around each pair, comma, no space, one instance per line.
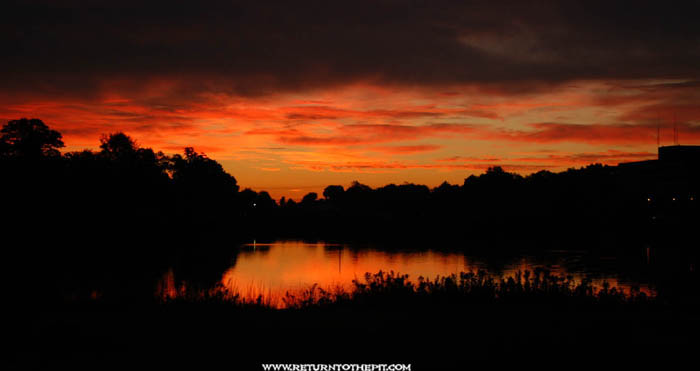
(272,270)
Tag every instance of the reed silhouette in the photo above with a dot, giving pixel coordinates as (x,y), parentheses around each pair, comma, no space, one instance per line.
(441,323)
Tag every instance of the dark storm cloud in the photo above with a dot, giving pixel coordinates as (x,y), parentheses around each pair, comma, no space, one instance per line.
(79,48)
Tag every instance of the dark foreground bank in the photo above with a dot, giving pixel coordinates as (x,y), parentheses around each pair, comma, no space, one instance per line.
(454,323)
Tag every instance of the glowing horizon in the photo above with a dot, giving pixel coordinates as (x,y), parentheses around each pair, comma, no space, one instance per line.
(292,144)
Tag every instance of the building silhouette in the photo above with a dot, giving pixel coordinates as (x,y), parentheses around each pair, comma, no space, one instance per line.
(669,184)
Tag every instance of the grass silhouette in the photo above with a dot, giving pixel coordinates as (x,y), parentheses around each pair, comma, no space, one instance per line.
(538,288)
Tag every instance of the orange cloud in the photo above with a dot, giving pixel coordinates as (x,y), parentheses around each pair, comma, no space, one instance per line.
(387,134)
(612,134)
(407,149)
(367,134)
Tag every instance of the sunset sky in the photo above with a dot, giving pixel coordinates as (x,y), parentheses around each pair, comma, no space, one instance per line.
(291,96)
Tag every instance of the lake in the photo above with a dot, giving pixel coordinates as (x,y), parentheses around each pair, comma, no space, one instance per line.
(272,269)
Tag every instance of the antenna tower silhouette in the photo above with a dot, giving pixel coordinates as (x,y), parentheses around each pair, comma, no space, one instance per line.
(675,131)
(658,132)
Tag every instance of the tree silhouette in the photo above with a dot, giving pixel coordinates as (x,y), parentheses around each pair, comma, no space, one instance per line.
(197,171)
(29,139)
(264,201)
(309,198)
(118,145)
(205,190)
(132,164)
(333,193)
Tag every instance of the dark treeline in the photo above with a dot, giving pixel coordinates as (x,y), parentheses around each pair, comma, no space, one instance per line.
(594,202)
(128,188)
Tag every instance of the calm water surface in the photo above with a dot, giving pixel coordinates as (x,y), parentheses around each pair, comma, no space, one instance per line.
(272,269)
